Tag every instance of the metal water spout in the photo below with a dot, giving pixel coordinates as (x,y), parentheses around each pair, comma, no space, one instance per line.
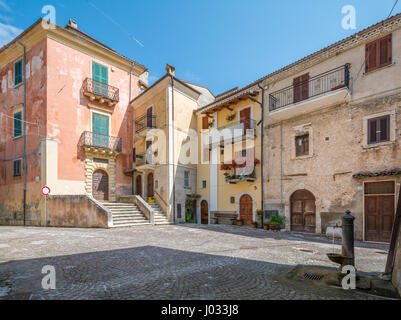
(347,257)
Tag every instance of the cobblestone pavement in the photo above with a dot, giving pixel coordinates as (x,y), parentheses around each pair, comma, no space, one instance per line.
(169,262)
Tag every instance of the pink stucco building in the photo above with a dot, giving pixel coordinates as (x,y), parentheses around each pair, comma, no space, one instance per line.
(79,128)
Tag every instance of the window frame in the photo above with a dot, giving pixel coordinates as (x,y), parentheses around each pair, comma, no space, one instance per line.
(204,184)
(378,53)
(377,120)
(187,180)
(305,153)
(19,174)
(15,73)
(14,127)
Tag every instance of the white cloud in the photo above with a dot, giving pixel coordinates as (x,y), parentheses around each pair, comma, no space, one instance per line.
(8,33)
(4,6)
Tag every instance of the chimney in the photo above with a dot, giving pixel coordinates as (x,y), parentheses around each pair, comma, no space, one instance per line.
(73,24)
(170,69)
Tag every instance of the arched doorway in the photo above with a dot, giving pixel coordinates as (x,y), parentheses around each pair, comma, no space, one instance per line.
(303,211)
(138,188)
(246,209)
(150,185)
(204,212)
(100,185)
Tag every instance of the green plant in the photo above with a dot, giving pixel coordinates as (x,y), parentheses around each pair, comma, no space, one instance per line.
(259,212)
(231,116)
(275,220)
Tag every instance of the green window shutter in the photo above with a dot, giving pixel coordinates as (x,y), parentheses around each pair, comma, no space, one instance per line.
(100,130)
(17,124)
(100,73)
(18,72)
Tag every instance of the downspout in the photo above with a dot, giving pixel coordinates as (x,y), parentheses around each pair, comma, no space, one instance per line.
(24,128)
(281,162)
(172,141)
(262,147)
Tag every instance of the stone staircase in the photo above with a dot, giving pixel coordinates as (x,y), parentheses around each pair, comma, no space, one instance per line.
(159,216)
(126,214)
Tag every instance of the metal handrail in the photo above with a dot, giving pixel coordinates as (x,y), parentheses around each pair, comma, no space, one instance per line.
(101,89)
(145,122)
(91,139)
(328,81)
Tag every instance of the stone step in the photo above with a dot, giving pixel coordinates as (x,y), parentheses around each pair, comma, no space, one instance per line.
(121,207)
(119,222)
(125,211)
(129,218)
(118,215)
(122,225)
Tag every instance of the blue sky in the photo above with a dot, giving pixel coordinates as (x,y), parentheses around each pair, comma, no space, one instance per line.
(217,43)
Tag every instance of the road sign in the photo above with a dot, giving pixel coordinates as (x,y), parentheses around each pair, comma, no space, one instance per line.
(45,191)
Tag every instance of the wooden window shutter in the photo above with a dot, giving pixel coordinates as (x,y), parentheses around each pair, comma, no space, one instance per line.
(372,129)
(371,56)
(17,124)
(384,134)
(385,48)
(205,123)
(301,87)
(18,72)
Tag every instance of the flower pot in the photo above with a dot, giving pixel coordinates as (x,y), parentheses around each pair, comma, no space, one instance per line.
(254,225)
(275,227)
(240,223)
(266,227)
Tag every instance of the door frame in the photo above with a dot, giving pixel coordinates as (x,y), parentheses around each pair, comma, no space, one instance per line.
(363,204)
(290,211)
(254,204)
(108,183)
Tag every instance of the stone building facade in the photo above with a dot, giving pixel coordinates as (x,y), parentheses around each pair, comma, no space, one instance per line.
(332,135)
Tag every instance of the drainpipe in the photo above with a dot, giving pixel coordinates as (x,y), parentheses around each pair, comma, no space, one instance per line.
(24,128)
(281,163)
(262,147)
(172,140)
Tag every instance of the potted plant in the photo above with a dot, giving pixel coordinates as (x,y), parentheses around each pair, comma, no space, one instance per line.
(275,222)
(210,124)
(259,212)
(231,116)
(266,226)
(240,222)
(254,224)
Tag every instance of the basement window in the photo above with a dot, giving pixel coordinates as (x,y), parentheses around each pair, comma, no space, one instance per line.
(17,167)
(302,145)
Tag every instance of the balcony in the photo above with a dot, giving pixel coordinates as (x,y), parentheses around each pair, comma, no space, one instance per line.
(322,90)
(145,123)
(101,92)
(145,161)
(95,142)
(245,129)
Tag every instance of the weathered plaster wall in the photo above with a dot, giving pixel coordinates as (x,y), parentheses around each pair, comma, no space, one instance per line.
(11,100)
(75,211)
(69,113)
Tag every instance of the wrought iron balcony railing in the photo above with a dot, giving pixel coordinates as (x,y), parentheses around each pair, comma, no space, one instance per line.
(101,90)
(96,140)
(324,83)
(145,122)
(145,158)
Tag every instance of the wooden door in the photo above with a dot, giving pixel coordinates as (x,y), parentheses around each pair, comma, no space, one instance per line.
(245,118)
(139,185)
(100,185)
(204,212)
(301,88)
(150,185)
(246,209)
(379,217)
(303,211)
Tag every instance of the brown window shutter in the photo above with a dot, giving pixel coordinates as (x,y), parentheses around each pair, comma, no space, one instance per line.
(372,129)
(384,129)
(385,50)
(301,87)
(371,56)
(205,123)
(305,86)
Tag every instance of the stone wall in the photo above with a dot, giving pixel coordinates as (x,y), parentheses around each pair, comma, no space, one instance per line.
(78,211)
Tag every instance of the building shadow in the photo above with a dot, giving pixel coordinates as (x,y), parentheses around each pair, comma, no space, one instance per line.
(156,273)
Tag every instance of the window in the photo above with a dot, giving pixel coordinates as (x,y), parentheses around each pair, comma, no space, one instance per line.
(133,154)
(205,123)
(232,199)
(186,178)
(100,79)
(100,128)
(379,129)
(302,145)
(17,165)
(204,184)
(156,184)
(179,211)
(17,124)
(18,72)
(378,53)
